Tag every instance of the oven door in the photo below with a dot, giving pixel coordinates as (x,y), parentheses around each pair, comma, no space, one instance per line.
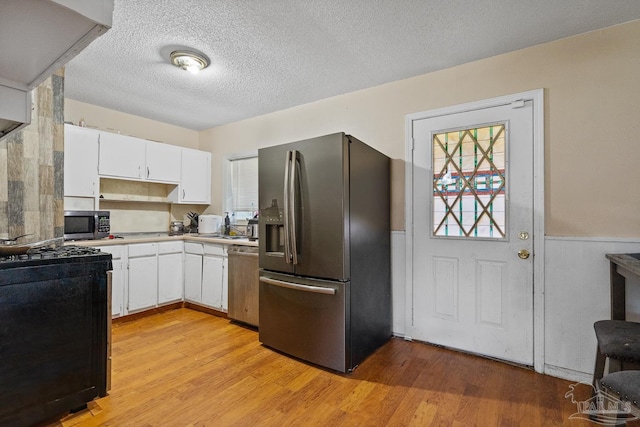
(306,318)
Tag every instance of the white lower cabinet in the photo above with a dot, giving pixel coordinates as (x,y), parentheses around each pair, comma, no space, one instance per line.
(146,275)
(212,270)
(117,278)
(170,272)
(142,276)
(193,272)
(205,272)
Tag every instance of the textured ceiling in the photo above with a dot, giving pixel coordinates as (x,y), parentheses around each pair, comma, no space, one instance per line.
(274,54)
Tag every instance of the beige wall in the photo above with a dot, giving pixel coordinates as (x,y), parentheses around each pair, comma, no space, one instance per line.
(128,124)
(592,123)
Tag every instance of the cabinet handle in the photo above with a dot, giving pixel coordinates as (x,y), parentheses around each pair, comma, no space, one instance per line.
(183,195)
(147,171)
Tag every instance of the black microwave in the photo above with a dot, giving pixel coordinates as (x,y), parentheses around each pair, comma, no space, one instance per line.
(86,225)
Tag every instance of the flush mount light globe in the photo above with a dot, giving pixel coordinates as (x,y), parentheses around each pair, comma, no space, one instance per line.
(189,60)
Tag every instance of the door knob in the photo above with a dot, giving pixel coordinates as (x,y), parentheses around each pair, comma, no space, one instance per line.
(523,254)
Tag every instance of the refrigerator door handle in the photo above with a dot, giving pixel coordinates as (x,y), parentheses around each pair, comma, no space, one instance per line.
(298,287)
(287,238)
(294,204)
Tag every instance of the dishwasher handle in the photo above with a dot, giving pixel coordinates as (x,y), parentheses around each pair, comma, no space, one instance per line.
(249,251)
(298,287)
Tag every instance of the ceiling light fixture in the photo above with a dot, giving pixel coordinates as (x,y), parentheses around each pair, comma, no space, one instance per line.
(189,60)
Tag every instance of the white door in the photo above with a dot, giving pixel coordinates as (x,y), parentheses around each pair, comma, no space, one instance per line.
(170,277)
(163,162)
(80,160)
(472,212)
(121,156)
(196,177)
(212,276)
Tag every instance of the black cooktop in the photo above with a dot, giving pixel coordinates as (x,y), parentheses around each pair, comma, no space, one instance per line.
(53,255)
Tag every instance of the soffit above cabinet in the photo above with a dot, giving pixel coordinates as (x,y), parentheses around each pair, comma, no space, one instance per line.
(40,36)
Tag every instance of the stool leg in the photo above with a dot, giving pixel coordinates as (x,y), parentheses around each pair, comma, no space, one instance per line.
(615,365)
(598,370)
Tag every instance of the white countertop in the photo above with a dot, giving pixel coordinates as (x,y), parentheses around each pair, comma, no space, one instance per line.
(128,238)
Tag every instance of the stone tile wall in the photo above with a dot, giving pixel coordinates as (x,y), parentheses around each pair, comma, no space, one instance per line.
(31,168)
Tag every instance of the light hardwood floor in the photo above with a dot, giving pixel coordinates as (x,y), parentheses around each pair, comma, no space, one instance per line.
(186,368)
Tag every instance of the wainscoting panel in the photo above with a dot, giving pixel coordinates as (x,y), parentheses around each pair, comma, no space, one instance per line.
(576,295)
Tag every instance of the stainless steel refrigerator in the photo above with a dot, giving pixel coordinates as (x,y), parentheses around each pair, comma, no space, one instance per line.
(324,239)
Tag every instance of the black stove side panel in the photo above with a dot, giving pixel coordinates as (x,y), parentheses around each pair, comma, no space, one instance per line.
(53,338)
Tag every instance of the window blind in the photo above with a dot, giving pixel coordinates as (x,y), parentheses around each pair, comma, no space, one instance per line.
(244,184)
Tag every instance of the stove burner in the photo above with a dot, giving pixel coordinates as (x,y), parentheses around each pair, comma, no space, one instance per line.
(51,253)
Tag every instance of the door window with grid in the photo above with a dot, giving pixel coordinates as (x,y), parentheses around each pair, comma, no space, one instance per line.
(469,182)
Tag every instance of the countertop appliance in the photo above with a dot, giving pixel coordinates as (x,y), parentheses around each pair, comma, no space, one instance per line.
(252,229)
(325,275)
(209,224)
(86,225)
(176,228)
(243,284)
(54,332)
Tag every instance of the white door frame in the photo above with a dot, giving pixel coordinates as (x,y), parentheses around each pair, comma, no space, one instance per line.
(537,97)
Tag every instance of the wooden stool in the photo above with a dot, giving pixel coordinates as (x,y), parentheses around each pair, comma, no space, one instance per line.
(618,341)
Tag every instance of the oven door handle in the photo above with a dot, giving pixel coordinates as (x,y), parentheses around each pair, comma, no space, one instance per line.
(298,287)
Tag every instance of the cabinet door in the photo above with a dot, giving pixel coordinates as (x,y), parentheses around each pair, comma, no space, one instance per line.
(195,182)
(121,156)
(170,277)
(80,161)
(163,162)
(143,282)
(143,276)
(193,277)
(117,288)
(212,277)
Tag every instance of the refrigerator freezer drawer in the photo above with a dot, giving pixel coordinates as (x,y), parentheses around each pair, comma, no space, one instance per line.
(305,319)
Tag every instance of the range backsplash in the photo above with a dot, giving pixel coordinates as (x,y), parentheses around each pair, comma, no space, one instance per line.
(31,168)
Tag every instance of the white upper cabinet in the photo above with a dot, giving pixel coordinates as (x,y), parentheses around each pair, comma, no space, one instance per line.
(163,162)
(92,154)
(80,161)
(134,158)
(121,156)
(195,180)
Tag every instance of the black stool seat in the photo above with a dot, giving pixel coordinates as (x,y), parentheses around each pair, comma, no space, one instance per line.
(618,341)
(625,384)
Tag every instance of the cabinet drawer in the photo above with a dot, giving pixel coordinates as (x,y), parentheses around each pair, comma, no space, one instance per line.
(115,251)
(193,248)
(214,250)
(169,248)
(142,249)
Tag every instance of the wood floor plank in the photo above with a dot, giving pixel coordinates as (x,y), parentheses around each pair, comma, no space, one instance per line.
(188,368)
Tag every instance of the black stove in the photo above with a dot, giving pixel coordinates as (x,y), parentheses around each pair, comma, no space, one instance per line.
(53,340)
(52,255)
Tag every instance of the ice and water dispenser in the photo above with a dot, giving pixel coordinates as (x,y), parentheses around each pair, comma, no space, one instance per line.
(273,218)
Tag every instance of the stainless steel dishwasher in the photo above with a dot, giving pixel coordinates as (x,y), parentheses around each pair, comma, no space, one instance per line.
(244,286)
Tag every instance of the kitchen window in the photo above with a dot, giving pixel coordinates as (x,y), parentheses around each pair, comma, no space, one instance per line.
(242,188)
